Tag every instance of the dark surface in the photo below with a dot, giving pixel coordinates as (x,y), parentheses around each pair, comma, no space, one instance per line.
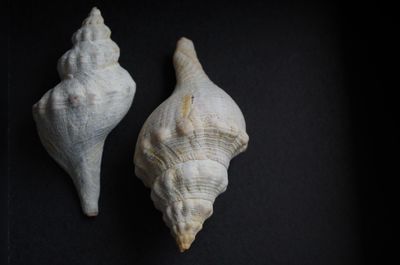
(304,77)
(3,142)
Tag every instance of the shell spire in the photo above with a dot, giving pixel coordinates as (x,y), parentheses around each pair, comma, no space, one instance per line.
(185,147)
(94,17)
(92,48)
(74,118)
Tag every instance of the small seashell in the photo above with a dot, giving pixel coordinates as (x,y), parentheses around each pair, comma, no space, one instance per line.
(74,118)
(194,135)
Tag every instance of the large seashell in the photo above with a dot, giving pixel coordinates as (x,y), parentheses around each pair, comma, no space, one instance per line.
(74,118)
(185,146)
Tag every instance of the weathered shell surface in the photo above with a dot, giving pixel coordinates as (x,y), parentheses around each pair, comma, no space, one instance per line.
(74,118)
(185,146)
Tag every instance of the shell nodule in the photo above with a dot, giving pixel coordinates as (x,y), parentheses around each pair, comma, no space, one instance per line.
(74,118)
(185,147)
(93,48)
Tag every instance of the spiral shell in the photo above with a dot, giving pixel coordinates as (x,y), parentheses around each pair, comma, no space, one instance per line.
(185,147)
(74,118)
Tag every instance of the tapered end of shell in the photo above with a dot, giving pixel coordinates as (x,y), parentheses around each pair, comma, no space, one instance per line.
(89,207)
(95,11)
(94,17)
(186,218)
(86,177)
(186,46)
(89,193)
(185,194)
(186,63)
(185,234)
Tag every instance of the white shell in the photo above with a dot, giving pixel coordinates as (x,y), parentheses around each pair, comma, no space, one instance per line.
(74,118)
(185,146)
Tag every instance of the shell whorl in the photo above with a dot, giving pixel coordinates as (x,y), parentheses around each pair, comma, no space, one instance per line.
(92,48)
(185,195)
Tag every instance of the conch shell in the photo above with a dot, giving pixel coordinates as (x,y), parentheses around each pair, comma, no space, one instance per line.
(74,118)
(185,147)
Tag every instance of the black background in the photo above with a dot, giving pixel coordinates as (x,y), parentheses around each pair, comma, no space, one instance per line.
(313,85)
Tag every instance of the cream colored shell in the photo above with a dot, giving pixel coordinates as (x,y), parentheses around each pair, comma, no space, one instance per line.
(74,118)
(185,147)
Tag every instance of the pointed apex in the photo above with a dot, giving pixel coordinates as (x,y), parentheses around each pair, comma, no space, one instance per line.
(185,234)
(94,17)
(186,218)
(185,241)
(95,12)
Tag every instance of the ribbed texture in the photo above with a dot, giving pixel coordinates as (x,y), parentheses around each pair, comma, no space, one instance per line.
(93,48)
(217,144)
(204,179)
(185,195)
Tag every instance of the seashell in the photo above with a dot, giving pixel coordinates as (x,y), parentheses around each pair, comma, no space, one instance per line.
(185,147)
(74,118)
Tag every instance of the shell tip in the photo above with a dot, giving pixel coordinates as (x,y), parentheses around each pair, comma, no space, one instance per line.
(185,60)
(185,241)
(90,207)
(92,214)
(185,44)
(94,17)
(184,39)
(95,11)
(185,234)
